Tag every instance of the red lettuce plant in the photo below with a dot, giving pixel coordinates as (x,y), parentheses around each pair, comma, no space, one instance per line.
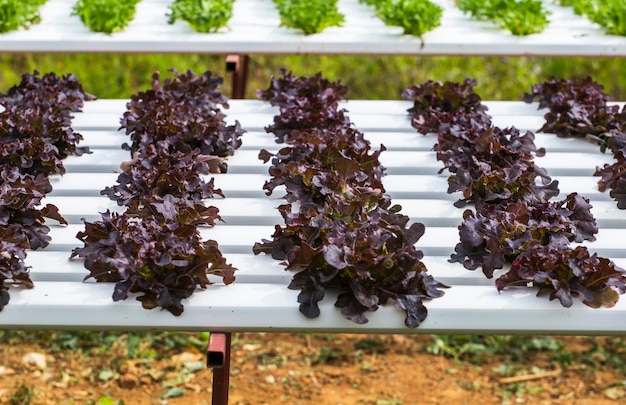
(35,136)
(154,248)
(12,267)
(487,164)
(156,251)
(579,108)
(182,114)
(566,273)
(344,233)
(514,220)
(498,233)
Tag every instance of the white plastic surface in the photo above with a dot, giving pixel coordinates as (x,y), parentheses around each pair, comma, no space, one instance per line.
(259,300)
(255,29)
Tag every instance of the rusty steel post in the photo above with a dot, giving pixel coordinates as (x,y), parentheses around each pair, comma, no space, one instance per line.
(218,359)
(238,66)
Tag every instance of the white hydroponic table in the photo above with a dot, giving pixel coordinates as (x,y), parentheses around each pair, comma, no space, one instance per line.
(259,299)
(254,29)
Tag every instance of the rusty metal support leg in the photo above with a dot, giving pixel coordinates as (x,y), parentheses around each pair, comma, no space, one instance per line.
(218,358)
(238,66)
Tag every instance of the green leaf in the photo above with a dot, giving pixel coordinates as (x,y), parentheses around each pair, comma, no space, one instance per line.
(174,393)
(105,400)
(106,375)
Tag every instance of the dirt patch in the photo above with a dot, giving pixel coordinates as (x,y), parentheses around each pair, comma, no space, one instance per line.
(311,369)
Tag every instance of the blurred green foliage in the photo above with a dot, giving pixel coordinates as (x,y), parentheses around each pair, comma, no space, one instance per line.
(375,77)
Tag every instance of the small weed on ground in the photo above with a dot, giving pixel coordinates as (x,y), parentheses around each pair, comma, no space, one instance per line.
(23,395)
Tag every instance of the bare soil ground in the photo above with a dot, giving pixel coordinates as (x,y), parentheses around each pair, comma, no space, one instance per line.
(310,369)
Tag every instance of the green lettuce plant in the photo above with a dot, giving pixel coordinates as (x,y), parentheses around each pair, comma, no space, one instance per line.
(310,16)
(15,14)
(202,15)
(107,16)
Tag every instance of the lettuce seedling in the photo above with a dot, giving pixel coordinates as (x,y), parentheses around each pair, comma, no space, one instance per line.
(107,16)
(15,14)
(609,14)
(416,17)
(202,15)
(310,16)
(520,17)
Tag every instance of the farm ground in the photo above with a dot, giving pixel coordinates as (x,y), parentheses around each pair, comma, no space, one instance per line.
(322,370)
